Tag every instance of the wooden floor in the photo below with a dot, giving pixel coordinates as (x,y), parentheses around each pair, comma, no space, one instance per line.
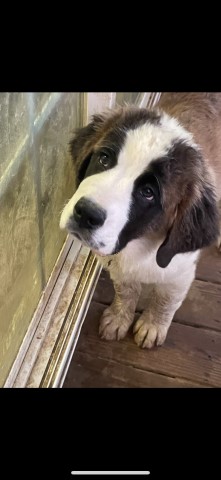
(190,357)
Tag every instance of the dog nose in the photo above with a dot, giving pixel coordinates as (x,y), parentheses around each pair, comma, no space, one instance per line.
(88,215)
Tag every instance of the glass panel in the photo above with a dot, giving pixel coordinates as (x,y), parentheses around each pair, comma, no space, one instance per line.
(56,175)
(20,276)
(13,127)
(36,178)
(40,100)
(127,97)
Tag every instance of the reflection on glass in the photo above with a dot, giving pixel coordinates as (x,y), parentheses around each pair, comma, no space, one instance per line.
(126,97)
(36,178)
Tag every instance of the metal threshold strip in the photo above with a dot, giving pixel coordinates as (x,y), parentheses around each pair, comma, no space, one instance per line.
(61,355)
(49,344)
(48,347)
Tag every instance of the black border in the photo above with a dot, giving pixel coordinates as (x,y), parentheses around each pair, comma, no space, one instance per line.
(133,70)
(153,51)
(174,433)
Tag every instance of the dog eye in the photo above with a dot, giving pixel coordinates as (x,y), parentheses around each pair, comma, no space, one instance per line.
(104,159)
(147,192)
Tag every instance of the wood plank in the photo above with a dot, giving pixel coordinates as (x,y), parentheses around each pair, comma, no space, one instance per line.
(209,266)
(104,292)
(89,371)
(190,357)
(202,307)
(189,353)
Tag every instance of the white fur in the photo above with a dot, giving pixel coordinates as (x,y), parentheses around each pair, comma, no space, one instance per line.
(137,263)
(112,189)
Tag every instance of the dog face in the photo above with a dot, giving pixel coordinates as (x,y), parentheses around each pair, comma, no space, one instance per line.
(140,174)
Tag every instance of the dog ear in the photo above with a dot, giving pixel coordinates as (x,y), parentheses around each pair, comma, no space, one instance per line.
(195,227)
(81,146)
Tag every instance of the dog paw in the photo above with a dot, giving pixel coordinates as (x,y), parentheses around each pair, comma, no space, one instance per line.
(149,333)
(114,326)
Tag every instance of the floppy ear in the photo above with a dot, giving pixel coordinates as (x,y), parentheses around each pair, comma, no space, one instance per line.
(193,228)
(81,146)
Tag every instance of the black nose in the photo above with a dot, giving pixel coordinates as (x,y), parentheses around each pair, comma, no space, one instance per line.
(88,215)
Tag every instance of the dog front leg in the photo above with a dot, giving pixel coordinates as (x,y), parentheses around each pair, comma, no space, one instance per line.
(118,317)
(152,326)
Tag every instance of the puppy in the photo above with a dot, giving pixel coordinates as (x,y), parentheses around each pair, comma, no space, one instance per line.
(148,183)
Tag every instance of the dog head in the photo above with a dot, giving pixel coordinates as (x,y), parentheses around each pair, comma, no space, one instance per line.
(139,173)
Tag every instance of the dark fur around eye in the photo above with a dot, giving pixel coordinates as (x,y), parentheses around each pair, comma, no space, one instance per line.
(147,186)
(100,161)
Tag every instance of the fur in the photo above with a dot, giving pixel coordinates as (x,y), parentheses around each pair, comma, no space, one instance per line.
(155,175)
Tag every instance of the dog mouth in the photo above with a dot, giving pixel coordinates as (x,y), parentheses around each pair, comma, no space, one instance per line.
(88,243)
(87,240)
(94,246)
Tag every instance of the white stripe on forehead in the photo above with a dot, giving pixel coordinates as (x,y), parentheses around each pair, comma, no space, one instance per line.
(149,142)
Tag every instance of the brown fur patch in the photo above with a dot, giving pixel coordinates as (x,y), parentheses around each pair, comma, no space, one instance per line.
(200,114)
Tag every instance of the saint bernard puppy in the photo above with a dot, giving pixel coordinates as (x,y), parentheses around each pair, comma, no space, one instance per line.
(146,202)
